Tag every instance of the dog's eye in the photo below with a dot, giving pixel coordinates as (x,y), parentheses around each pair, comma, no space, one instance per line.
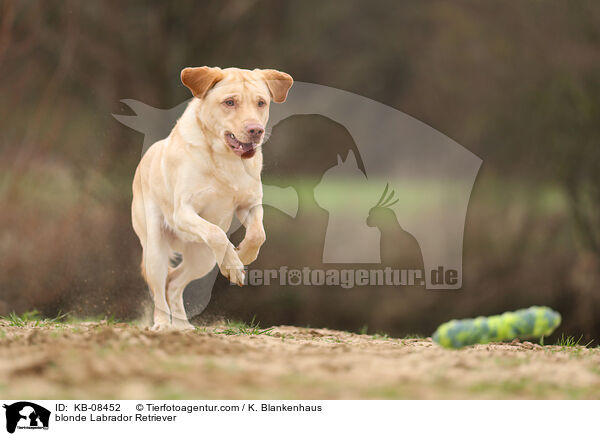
(229,102)
(261,103)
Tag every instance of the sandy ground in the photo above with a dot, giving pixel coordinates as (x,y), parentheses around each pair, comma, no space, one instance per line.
(120,361)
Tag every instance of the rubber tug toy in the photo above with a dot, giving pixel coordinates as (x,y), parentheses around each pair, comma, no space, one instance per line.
(535,322)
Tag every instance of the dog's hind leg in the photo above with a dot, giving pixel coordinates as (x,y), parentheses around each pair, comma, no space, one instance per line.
(198,260)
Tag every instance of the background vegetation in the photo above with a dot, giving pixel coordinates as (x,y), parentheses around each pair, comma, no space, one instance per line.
(517,83)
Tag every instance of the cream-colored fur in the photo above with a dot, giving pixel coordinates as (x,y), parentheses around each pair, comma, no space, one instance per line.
(188,186)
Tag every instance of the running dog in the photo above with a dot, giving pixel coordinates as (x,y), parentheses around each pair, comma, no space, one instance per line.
(188,186)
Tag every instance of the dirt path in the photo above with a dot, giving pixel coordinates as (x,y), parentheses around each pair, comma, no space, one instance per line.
(96,360)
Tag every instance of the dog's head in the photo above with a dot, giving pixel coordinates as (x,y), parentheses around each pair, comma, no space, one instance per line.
(234,107)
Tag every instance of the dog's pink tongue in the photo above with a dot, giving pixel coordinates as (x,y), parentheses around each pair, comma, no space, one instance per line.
(248,154)
(247,146)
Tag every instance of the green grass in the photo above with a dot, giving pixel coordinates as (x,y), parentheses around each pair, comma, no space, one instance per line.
(568,341)
(237,328)
(32,317)
(571,342)
(110,320)
(413,336)
(380,336)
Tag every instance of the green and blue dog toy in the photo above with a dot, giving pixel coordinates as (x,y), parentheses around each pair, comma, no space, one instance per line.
(535,322)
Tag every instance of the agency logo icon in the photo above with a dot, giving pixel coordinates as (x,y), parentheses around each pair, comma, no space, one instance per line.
(24,415)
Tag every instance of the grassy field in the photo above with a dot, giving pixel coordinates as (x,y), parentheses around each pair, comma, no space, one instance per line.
(52,358)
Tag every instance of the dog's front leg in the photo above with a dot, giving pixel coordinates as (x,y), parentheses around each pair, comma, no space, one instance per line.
(252,220)
(197,229)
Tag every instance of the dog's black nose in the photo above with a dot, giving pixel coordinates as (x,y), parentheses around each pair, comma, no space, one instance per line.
(255,130)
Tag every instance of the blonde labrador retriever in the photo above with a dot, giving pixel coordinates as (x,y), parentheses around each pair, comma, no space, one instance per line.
(188,186)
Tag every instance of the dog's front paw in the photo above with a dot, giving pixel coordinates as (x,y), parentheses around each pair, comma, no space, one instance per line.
(247,254)
(233,268)
(250,246)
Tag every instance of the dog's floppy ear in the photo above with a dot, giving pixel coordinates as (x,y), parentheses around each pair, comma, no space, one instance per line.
(200,79)
(279,84)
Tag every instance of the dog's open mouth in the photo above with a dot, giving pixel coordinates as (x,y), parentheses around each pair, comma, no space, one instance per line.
(243,149)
